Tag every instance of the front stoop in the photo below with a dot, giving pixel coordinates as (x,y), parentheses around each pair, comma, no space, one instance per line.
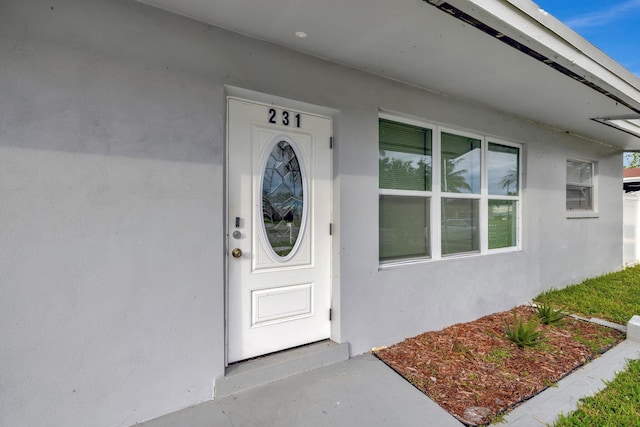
(264,370)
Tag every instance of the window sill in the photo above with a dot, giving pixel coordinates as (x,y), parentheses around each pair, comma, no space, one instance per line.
(422,261)
(395,264)
(582,214)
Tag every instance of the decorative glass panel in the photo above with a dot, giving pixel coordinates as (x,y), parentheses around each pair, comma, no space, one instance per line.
(282,198)
(460,164)
(459,226)
(404,156)
(503,170)
(404,227)
(502,223)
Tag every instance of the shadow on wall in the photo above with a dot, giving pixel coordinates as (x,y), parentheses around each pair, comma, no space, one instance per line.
(109,87)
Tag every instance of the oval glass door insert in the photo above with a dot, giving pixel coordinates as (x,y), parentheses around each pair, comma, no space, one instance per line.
(282,199)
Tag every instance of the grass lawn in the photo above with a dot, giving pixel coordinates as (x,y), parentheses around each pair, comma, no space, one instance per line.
(614,297)
(616,405)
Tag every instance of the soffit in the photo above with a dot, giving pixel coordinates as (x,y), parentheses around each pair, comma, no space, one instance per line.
(415,42)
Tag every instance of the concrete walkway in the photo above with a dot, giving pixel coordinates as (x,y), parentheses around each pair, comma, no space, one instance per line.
(364,391)
(545,407)
(361,391)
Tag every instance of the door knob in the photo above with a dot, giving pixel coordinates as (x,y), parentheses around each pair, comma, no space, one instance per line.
(236,252)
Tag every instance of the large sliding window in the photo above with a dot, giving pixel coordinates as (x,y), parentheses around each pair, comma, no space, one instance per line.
(445,193)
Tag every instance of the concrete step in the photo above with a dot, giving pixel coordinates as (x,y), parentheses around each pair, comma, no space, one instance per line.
(264,370)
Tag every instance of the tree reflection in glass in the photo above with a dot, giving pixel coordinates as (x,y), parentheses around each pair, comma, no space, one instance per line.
(282,198)
(404,157)
(460,164)
(503,170)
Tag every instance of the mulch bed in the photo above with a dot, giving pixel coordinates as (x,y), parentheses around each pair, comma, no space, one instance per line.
(474,372)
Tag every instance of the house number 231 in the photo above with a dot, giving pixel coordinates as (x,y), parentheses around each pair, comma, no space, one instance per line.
(286,118)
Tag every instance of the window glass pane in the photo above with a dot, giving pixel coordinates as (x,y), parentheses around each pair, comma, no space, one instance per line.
(404,227)
(503,170)
(460,164)
(459,225)
(282,198)
(502,223)
(579,197)
(405,156)
(579,172)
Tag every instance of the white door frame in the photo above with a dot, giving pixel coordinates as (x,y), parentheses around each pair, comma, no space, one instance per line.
(257,98)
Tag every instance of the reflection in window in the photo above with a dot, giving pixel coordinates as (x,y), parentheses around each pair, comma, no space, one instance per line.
(503,173)
(480,180)
(404,227)
(460,164)
(502,223)
(282,198)
(404,156)
(459,225)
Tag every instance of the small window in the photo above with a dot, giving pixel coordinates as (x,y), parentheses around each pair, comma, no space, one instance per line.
(580,189)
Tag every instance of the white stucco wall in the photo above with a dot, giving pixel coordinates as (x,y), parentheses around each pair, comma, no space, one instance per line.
(112,203)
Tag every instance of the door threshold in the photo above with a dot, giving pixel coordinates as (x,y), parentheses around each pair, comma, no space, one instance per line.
(242,376)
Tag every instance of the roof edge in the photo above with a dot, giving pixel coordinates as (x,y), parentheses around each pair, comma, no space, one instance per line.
(526,23)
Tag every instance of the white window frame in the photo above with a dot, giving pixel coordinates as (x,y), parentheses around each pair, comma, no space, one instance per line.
(517,199)
(584,213)
(412,193)
(436,194)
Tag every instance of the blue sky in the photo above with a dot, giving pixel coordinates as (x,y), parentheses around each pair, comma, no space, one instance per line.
(612,25)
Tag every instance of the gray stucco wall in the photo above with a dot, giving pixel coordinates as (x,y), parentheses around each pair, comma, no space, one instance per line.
(112,204)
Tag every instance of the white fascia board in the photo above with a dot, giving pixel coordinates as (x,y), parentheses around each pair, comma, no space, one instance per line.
(526,23)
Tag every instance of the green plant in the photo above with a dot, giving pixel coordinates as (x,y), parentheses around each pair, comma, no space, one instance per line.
(595,343)
(497,355)
(548,313)
(523,334)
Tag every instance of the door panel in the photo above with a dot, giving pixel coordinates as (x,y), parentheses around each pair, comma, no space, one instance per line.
(279,214)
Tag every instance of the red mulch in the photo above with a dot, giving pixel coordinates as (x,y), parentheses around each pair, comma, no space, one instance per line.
(474,372)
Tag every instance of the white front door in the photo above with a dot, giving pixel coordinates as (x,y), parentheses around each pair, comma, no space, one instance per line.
(279,218)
